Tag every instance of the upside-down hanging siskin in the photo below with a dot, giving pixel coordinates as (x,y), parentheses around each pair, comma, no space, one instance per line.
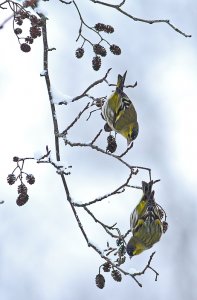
(146,225)
(119,112)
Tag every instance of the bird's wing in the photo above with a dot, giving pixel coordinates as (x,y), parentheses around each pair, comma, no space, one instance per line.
(133,219)
(109,109)
(125,110)
(138,212)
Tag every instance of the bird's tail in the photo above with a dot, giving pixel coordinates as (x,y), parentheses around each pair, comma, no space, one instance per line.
(149,196)
(120,82)
(147,188)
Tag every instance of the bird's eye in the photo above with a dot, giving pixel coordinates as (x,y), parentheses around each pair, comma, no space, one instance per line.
(130,249)
(134,133)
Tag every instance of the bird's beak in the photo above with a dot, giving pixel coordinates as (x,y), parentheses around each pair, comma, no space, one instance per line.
(128,142)
(124,76)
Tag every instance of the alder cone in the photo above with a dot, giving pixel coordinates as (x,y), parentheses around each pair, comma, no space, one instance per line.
(100,281)
(25,47)
(96,63)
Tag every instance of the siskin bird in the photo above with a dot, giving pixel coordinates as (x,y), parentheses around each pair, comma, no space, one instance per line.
(146,224)
(119,112)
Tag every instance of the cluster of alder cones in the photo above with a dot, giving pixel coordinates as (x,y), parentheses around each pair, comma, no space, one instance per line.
(34,30)
(22,188)
(100,279)
(98,49)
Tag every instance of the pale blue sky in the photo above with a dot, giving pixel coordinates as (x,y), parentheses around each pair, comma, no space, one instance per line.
(43,255)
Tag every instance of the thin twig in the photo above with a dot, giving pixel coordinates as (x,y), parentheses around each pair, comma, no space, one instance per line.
(118,7)
(96,137)
(106,227)
(65,2)
(91,86)
(94,147)
(89,27)
(92,113)
(134,186)
(148,267)
(125,86)
(127,150)
(107,195)
(3,4)
(74,121)
(6,20)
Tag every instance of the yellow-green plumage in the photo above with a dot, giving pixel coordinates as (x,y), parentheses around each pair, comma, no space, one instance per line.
(145,222)
(119,112)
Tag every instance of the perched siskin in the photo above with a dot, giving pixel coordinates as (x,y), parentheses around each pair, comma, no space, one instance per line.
(119,112)
(146,224)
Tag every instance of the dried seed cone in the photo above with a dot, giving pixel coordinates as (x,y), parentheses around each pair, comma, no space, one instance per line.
(99,50)
(122,249)
(107,128)
(119,242)
(111,147)
(96,63)
(100,281)
(99,102)
(23,14)
(11,179)
(22,189)
(109,29)
(30,179)
(79,52)
(106,267)
(116,275)
(17,31)
(35,32)
(165,226)
(18,21)
(100,26)
(15,158)
(32,3)
(34,20)
(121,260)
(22,199)
(25,47)
(115,49)
(29,40)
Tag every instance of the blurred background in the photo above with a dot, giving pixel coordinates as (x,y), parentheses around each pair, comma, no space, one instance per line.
(43,254)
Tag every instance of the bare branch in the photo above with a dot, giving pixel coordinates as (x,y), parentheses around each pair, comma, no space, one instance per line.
(89,27)
(94,147)
(73,208)
(1,5)
(92,113)
(6,20)
(125,86)
(117,7)
(148,267)
(106,227)
(107,195)
(48,84)
(127,150)
(66,2)
(91,86)
(74,121)
(96,137)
